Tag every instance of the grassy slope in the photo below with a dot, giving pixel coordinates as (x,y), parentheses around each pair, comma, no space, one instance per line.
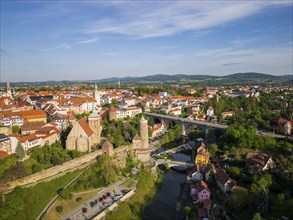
(68,204)
(27,203)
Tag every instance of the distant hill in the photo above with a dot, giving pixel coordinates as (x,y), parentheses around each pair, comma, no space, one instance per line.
(178,78)
(249,76)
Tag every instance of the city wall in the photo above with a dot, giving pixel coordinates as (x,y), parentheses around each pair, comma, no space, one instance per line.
(44,174)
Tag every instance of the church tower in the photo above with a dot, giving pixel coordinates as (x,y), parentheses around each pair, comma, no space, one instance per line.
(97,95)
(144,134)
(8,90)
(94,121)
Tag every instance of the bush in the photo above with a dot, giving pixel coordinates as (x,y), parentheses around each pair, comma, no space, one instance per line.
(64,193)
(78,199)
(59,208)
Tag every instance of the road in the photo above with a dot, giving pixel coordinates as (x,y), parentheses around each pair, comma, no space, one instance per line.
(77,214)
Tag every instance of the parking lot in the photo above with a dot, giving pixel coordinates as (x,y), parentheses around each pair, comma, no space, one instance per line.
(98,203)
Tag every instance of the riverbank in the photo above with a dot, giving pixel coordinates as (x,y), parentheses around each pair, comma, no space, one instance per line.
(145,191)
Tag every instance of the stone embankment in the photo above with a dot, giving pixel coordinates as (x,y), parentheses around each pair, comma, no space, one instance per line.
(46,175)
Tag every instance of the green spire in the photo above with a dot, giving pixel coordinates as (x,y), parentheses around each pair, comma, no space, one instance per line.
(94,112)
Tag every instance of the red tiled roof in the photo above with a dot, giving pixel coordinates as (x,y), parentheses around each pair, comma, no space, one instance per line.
(136,138)
(85,127)
(112,109)
(3,155)
(107,144)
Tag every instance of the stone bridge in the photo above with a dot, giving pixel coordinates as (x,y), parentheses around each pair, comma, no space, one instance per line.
(186,123)
(177,149)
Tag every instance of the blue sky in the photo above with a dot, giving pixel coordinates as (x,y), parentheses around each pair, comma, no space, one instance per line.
(88,40)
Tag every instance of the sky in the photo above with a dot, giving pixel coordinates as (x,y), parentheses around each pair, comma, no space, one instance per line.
(92,40)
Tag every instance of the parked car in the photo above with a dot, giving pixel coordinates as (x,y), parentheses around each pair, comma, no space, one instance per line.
(96,201)
(108,194)
(104,197)
(84,210)
(92,204)
(107,203)
(124,191)
(116,197)
(101,199)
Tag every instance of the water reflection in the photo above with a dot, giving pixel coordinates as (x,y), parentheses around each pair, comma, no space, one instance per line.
(171,196)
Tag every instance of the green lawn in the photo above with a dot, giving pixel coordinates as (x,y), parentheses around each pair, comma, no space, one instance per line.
(27,203)
(68,204)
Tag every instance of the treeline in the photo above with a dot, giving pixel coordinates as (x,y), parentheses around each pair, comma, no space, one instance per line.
(251,111)
(239,137)
(40,158)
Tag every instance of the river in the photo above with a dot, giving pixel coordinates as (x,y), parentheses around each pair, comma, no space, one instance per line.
(171,196)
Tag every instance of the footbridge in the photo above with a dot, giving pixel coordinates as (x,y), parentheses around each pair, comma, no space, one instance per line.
(175,150)
(173,163)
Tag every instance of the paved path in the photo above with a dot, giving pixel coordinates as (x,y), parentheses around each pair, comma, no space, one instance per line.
(76,213)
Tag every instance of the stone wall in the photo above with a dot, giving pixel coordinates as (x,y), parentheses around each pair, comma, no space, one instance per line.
(70,165)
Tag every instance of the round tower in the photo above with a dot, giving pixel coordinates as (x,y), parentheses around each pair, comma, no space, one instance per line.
(112,113)
(144,134)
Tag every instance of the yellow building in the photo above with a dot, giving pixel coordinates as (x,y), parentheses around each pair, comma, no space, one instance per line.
(34,115)
(202,158)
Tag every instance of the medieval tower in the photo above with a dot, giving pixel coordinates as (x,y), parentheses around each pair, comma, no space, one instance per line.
(141,143)
(143,130)
(94,121)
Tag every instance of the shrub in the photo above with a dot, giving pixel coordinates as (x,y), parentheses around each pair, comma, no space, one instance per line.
(78,199)
(59,208)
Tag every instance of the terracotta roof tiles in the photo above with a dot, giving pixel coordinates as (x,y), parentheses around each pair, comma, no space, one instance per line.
(84,125)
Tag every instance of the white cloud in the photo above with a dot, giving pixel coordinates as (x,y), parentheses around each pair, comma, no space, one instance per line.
(145,19)
(88,41)
(62,46)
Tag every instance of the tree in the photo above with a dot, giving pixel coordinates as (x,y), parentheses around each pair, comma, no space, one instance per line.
(114,102)
(15,172)
(20,152)
(59,208)
(256,216)
(78,199)
(15,129)
(261,183)
(36,167)
(262,202)
(107,169)
(211,137)
(187,210)
(280,198)
(234,172)
(213,149)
